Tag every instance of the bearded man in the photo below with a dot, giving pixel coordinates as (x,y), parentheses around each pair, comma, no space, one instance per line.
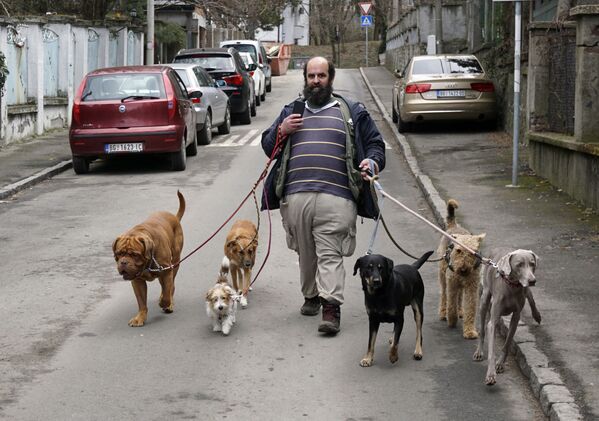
(318,184)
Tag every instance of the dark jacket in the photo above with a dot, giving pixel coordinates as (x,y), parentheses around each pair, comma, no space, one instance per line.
(368,144)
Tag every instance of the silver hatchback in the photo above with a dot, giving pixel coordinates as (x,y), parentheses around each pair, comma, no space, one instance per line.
(212,107)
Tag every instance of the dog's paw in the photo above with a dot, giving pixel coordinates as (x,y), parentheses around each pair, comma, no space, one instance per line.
(417,356)
(136,322)
(393,356)
(216,328)
(499,367)
(244,301)
(442,314)
(452,322)
(470,334)
(168,309)
(366,362)
(226,330)
(536,316)
(490,380)
(478,356)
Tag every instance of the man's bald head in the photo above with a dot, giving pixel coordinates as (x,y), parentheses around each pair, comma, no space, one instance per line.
(319,62)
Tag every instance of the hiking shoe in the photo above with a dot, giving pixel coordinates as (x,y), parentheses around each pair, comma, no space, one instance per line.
(311,306)
(331,317)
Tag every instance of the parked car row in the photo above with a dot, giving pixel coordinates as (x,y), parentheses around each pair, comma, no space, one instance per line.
(442,87)
(168,109)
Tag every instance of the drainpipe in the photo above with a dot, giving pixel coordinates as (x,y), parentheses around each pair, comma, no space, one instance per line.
(150,40)
(439,25)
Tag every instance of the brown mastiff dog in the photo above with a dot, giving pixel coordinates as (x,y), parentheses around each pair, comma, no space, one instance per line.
(141,252)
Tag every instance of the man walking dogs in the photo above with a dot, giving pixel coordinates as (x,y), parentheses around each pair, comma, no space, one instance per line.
(317,182)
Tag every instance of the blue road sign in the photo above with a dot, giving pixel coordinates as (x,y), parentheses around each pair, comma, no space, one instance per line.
(366,20)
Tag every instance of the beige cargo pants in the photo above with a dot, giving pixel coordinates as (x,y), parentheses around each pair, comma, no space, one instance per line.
(321,228)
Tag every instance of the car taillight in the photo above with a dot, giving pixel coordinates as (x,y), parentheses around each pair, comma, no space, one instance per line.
(235,80)
(76,113)
(196,100)
(483,87)
(252,73)
(418,88)
(172,109)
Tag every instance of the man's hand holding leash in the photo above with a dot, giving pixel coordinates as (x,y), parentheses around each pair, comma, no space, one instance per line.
(369,168)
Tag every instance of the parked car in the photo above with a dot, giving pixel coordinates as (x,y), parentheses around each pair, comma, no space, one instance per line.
(211,107)
(258,52)
(258,76)
(131,110)
(443,87)
(226,66)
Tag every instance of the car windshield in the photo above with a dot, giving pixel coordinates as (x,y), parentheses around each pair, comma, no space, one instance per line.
(123,85)
(209,62)
(453,65)
(245,48)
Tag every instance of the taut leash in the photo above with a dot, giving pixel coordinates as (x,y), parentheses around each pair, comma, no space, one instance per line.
(373,180)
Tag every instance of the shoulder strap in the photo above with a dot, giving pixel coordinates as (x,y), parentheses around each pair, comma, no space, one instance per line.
(349,123)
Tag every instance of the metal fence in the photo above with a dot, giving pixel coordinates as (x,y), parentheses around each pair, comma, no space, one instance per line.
(562,82)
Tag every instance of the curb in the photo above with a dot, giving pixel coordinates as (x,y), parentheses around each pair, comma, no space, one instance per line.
(546,384)
(34,179)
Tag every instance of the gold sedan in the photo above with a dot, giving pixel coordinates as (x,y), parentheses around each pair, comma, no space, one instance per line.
(443,87)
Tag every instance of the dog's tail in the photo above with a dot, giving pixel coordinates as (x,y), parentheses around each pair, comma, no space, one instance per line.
(224,270)
(181,210)
(422,259)
(452,205)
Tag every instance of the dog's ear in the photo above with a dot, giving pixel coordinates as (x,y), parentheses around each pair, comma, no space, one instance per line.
(231,244)
(504,266)
(148,245)
(388,267)
(114,245)
(357,265)
(535,257)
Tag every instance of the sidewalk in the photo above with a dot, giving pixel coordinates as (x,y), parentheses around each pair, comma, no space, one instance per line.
(26,163)
(560,356)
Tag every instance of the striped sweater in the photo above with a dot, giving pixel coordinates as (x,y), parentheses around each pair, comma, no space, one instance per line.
(318,155)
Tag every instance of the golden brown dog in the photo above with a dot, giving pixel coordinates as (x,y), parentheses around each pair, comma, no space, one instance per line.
(144,249)
(240,249)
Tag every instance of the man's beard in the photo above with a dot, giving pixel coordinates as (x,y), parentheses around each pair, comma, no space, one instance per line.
(318,95)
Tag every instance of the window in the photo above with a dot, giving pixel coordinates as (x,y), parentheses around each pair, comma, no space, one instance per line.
(427,67)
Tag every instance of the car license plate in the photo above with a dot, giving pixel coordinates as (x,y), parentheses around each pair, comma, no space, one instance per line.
(123,147)
(451,94)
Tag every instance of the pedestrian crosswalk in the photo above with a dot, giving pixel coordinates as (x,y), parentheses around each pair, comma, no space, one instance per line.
(251,137)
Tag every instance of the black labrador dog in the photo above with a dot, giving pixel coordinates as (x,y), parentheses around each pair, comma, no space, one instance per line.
(388,290)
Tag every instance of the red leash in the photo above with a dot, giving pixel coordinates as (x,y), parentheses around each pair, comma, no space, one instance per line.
(276,149)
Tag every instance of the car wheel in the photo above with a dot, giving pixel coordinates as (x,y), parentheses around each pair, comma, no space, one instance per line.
(179,158)
(402,126)
(253,109)
(245,117)
(258,100)
(205,135)
(192,148)
(80,165)
(225,128)
(393,113)
(263,96)
(269,86)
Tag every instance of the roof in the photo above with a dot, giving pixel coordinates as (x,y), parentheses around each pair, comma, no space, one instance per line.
(129,69)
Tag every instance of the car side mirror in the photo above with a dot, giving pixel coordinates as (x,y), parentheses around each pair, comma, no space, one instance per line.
(399,73)
(261,66)
(195,94)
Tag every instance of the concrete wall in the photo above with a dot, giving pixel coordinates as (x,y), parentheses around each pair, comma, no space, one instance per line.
(27,111)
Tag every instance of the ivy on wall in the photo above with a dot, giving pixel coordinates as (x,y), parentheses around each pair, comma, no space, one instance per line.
(3,72)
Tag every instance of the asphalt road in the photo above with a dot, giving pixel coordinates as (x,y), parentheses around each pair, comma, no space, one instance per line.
(66,351)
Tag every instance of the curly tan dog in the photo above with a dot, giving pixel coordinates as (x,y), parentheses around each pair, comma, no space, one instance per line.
(156,242)
(459,275)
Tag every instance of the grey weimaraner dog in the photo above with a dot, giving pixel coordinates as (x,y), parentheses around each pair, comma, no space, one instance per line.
(504,291)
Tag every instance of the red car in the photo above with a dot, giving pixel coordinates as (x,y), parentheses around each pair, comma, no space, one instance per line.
(132,110)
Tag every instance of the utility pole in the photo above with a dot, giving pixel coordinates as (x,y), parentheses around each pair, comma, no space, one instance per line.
(150,35)
(439,25)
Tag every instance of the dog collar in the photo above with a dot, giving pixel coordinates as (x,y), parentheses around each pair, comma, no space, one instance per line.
(507,280)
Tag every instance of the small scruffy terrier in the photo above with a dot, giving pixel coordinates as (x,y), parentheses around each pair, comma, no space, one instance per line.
(221,302)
